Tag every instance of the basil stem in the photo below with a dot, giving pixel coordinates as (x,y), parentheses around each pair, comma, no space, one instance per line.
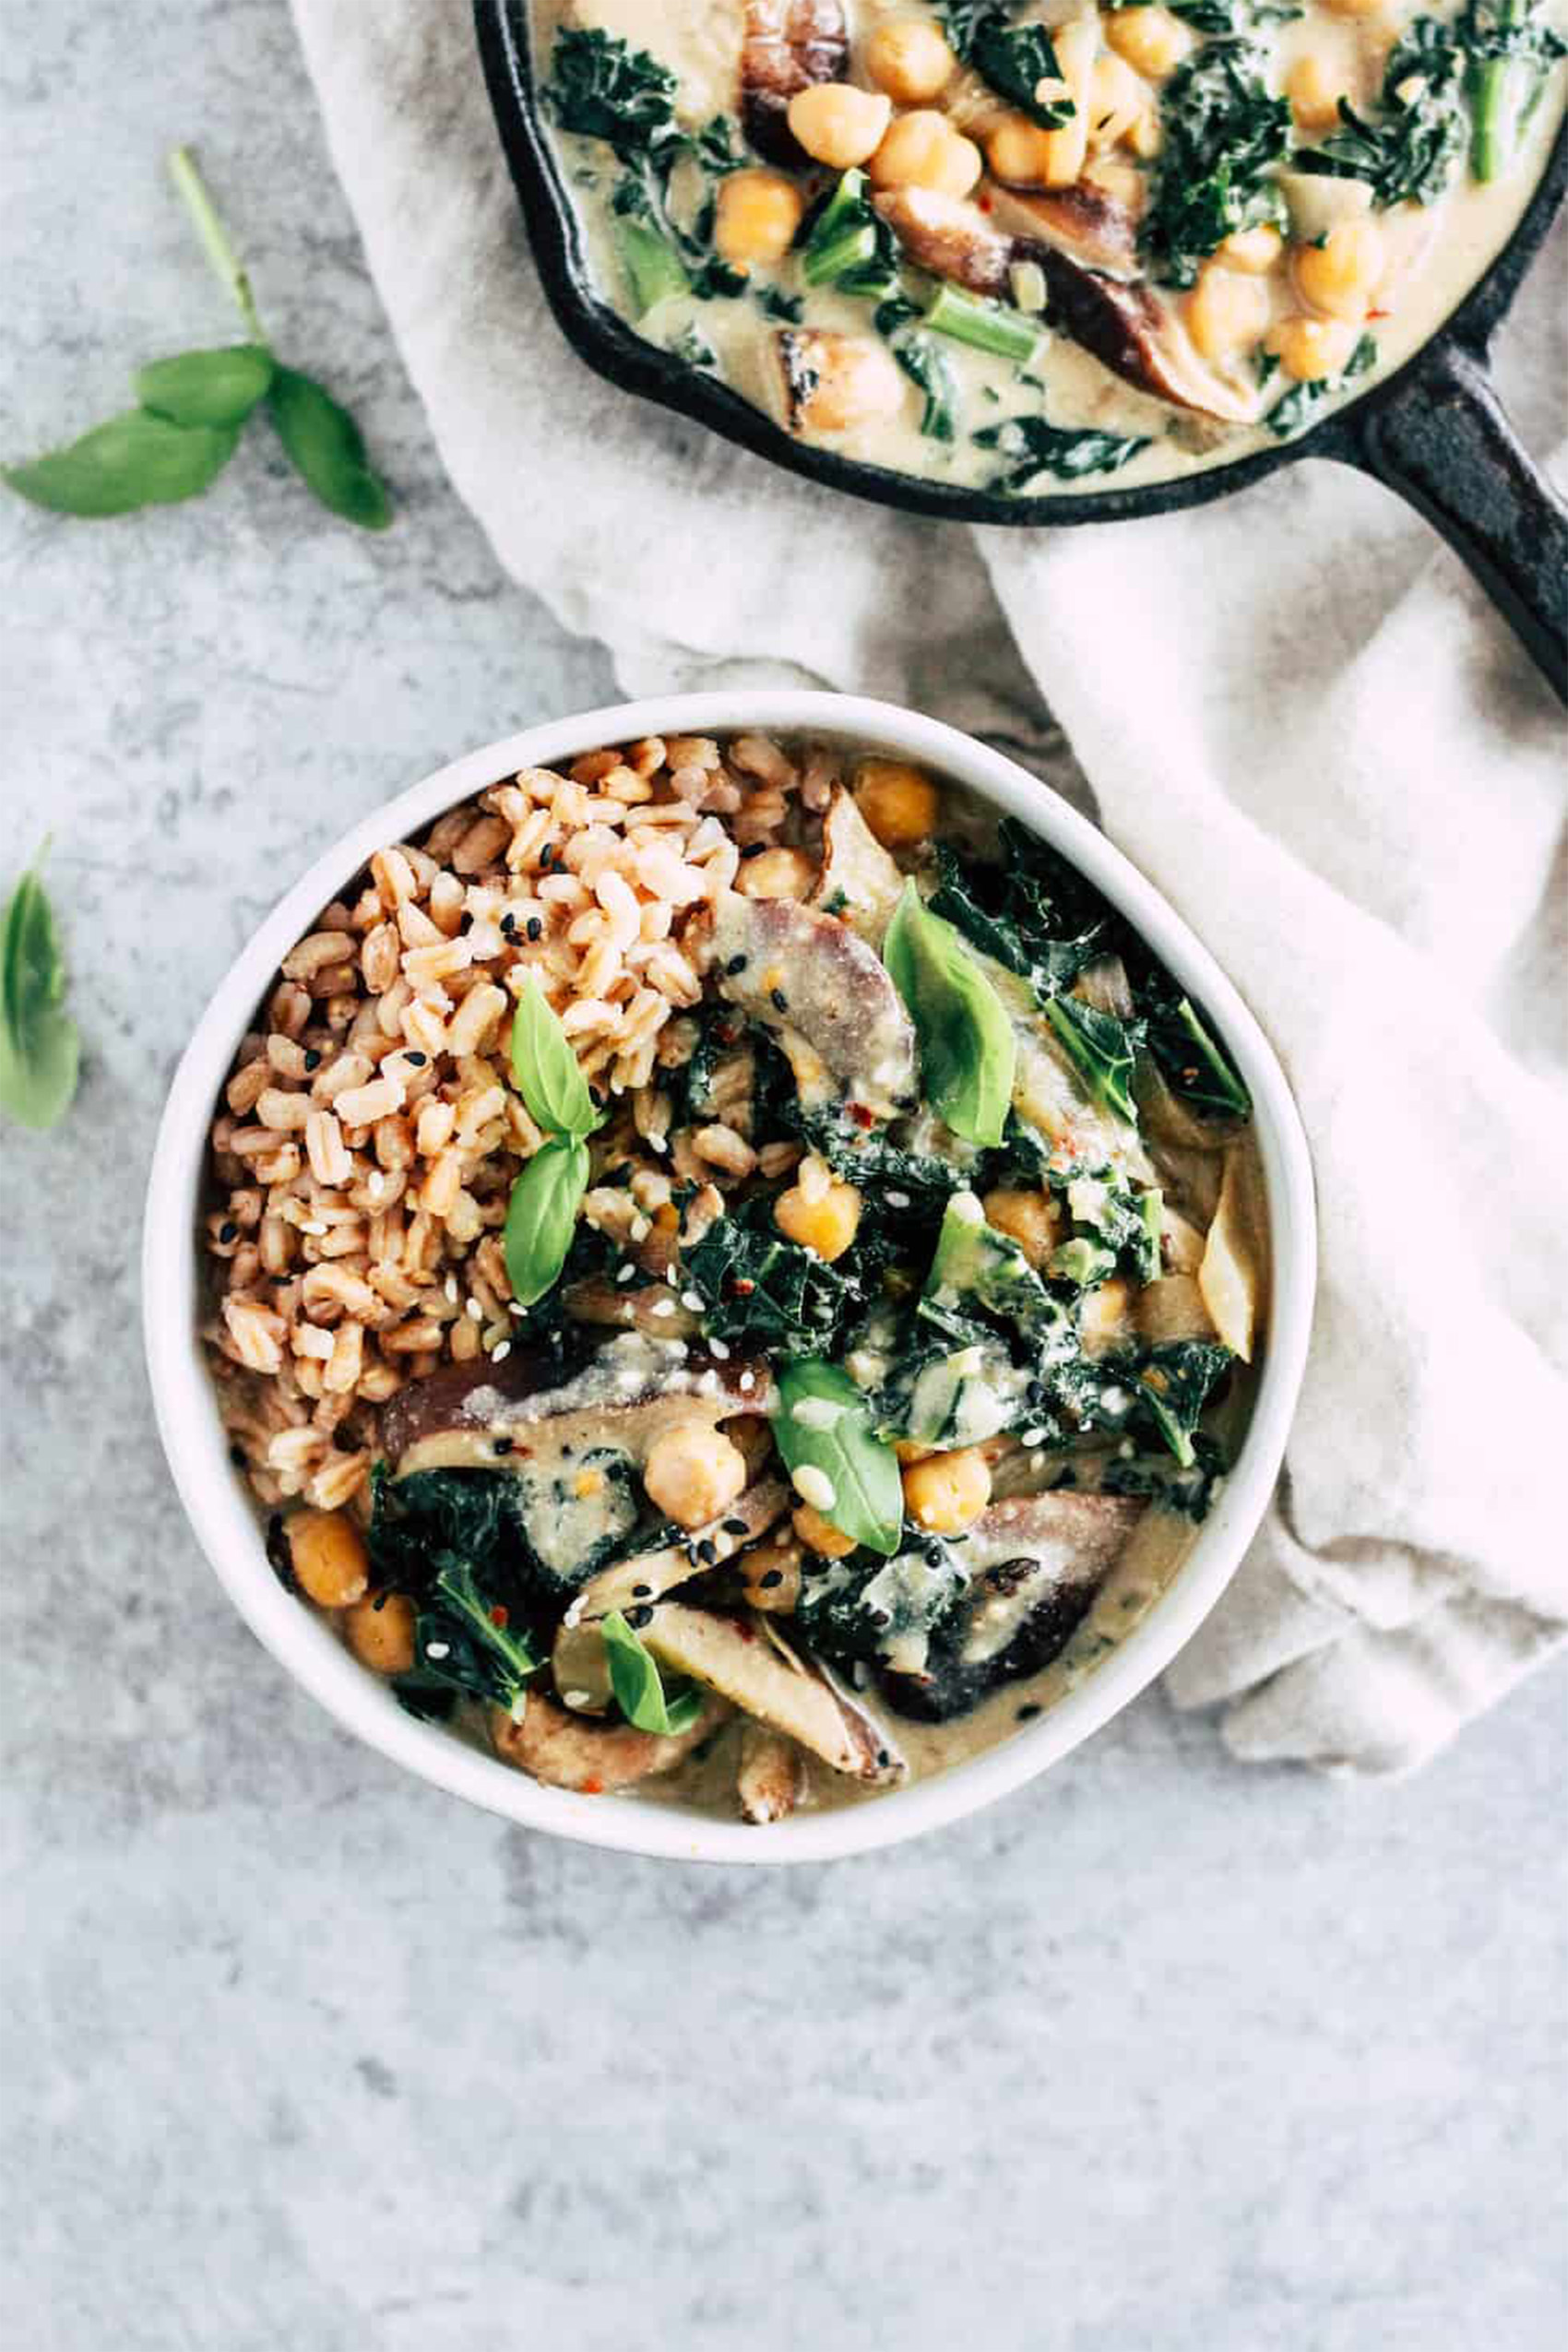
(986,326)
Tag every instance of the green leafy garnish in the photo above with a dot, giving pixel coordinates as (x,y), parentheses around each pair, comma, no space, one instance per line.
(1068,452)
(1100,1049)
(549,1075)
(1223,130)
(464,1645)
(1014,59)
(541,1216)
(757,1287)
(647,1704)
(966,1044)
(40,1048)
(925,366)
(193,408)
(1409,154)
(824,1432)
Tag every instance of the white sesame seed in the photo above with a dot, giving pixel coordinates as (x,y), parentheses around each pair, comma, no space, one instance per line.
(375,1183)
(662,1307)
(748,1381)
(813,1486)
(717,1347)
(1032,1437)
(475,1311)
(708,1384)
(692,1299)
(514,1309)
(897,1200)
(499,1355)
(640,1229)
(657,1143)
(451,1288)
(438,1649)
(625,1273)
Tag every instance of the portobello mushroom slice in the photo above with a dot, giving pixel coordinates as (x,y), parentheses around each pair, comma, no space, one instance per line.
(1086,223)
(1124,326)
(729,1656)
(573,1751)
(771,1778)
(1034,1563)
(859,882)
(788,44)
(838,1016)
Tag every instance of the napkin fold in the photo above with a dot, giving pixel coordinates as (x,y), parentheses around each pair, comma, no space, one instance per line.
(1296,715)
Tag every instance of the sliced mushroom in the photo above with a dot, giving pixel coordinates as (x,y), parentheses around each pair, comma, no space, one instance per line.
(838,1016)
(788,45)
(771,1779)
(730,1656)
(1124,326)
(1035,1562)
(573,1751)
(654,1309)
(648,1574)
(835,383)
(1089,223)
(859,882)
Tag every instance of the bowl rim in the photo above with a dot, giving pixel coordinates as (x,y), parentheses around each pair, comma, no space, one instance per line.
(223,1516)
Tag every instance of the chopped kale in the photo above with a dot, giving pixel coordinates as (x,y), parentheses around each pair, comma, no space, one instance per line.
(928,368)
(1224,130)
(601,88)
(1189,1491)
(1011,912)
(865,1607)
(1034,447)
(1409,152)
(1296,408)
(1014,59)
(760,1288)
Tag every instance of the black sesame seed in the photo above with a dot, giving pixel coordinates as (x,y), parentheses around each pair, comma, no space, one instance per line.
(707,1552)
(548,854)
(509,926)
(313,1058)
(736,1528)
(737,964)
(753,848)
(237,1455)
(535,927)
(501,1445)
(779,1001)
(638,1618)
(641,1592)
(228,1230)
(415,1060)
(773,1576)
(882,1757)
(1027,1713)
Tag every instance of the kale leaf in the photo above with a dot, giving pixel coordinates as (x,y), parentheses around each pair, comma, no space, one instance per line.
(1303,401)
(601,88)
(760,1288)
(1069,453)
(1014,59)
(1409,152)
(1223,131)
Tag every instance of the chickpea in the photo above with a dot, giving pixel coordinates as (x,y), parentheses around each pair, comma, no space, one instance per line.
(923,150)
(1102,1318)
(1146,138)
(1028,1218)
(772,1572)
(1153,41)
(757,217)
(778,873)
(910,60)
(381,1632)
(1340,275)
(945,1492)
(1225,310)
(1121,182)
(1310,348)
(693,1473)
(820,1535)
(327,1554)
(1355,8)
(1252,251)
(1018,152)
(825,1221)
(900,803)
(1078,46)
(1116,101)
(1315,85)
(838,124)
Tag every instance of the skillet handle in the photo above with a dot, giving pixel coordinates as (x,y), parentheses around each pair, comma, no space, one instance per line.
(1439,438)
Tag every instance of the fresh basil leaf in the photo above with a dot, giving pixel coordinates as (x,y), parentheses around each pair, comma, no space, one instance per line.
(541,1216)
(634,1679)
(207,387)
(822,1429)
(965,1039)
(134,460)
(327,450)
(40,1048)
(547,1075)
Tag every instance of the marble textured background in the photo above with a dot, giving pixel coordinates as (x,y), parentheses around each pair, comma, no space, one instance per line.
(1161,2053)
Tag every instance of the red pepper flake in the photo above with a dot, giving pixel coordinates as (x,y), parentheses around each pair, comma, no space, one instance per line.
(499,1613)
(593,1788)
(743,1287)
(861,1115)
(745,1633)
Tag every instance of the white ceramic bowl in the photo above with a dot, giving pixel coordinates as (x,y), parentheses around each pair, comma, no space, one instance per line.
(227,1524)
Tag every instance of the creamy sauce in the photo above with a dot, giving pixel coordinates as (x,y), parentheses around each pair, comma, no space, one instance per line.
(1430,256)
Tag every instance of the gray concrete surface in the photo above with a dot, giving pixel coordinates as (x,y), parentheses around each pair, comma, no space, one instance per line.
(1160,2054)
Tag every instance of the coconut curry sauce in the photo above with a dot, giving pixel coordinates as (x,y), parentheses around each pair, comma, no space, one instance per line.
(1031,246)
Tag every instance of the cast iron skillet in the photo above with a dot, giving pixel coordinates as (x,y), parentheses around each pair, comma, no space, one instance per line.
(1435,431)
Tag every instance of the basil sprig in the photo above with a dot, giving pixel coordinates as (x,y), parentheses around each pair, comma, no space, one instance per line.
(824,1428)
(645,1701)
(192,410)
(541,1215)
(40,1048)
(966,1038)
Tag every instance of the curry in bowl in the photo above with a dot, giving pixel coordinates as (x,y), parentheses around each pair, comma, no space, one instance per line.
(1026,244)
(735,1273)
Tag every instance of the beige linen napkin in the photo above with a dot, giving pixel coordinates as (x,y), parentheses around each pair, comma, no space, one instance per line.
(1296,716)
